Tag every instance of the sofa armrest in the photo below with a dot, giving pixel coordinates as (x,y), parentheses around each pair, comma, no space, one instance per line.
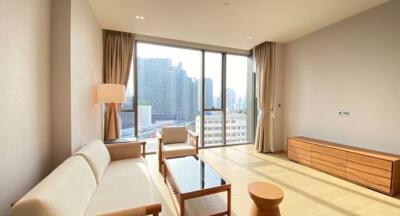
(159,141)
(126,150)
(152,209)
(159,136)
(193,139)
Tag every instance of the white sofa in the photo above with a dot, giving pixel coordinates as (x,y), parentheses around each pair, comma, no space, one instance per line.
(97,180)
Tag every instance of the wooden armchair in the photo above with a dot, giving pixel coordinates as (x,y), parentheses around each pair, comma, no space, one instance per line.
(176,142)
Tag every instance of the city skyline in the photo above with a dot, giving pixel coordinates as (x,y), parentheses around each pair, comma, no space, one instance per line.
(191,63)
(232,101)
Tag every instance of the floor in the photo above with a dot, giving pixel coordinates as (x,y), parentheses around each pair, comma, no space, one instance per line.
(307,191)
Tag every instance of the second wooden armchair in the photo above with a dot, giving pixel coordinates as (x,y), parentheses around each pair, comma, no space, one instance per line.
(176,142)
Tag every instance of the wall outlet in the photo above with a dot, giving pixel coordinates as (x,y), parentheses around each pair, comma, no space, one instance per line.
(343,113)
(346,113)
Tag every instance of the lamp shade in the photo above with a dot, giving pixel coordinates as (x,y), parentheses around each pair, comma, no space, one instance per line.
(111,93)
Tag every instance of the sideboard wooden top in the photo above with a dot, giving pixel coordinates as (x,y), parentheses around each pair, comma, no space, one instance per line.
(371,153)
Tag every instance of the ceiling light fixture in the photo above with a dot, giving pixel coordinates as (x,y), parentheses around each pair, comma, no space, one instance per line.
(139,17)
(249,37)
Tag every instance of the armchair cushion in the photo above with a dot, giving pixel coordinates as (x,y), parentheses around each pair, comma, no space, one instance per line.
(173,135)
(97,156)
(178,150)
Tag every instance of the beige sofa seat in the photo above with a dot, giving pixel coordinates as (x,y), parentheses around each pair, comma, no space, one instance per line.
(110,180)
(178,150)
(126,184)
(65,192)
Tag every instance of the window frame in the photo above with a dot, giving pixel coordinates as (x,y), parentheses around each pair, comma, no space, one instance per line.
(222,109)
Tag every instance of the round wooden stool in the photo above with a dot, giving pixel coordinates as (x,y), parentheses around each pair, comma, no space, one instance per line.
(266,199)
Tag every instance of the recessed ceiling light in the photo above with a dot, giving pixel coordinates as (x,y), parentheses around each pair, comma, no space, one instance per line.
(249,37)
(139,17)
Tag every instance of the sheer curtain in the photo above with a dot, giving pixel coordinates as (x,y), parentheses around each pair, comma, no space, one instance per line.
(264,56)
(118,51)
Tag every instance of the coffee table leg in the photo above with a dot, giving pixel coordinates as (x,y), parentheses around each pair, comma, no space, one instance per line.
(165,174)
(182,206)
(229,201)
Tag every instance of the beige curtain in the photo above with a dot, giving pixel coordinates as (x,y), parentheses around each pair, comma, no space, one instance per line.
(264,56)
(118,51)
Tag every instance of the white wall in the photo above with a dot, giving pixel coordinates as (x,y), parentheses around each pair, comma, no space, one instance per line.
(278,99)
(86,74)
(60,80)
(50,63)
(77,70)
(354,65)
(25,92)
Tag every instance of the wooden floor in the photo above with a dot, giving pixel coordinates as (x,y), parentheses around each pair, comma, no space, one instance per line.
(307,191)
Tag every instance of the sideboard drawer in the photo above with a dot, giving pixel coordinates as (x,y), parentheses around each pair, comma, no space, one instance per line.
(328,167)
(299,158)
(330,159)
(370,161)
(368,169)
(367,183)
(299,144)
(329,151)
(299,150)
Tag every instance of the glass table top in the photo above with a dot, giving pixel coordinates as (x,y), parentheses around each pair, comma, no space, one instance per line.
(192,174)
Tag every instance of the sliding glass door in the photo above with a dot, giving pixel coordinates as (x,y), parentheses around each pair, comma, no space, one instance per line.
(239,95)
(213,134)
(207,92)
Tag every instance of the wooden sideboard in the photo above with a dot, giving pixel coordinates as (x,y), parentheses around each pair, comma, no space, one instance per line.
(375,170)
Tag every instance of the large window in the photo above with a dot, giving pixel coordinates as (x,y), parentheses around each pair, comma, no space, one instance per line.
(127,114)
(238,116)
(207,92)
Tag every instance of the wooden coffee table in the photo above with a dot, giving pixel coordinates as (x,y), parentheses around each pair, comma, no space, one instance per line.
(194,185)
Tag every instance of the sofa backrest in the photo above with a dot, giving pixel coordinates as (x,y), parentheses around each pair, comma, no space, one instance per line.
(66,191)
(173,135)
(97,156)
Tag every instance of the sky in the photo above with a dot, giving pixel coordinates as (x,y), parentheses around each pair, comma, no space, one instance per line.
(191,63)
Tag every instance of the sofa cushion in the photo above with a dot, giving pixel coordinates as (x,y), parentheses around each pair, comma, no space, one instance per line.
(97,156)
(64,192)
(126,184)
(178,150)
(173,135)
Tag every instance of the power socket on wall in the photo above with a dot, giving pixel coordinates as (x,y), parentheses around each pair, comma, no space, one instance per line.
(343,113)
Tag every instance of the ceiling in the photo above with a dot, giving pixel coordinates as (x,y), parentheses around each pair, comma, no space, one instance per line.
(230,23)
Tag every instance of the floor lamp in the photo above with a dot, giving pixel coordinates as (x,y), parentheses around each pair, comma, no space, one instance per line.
(112,94)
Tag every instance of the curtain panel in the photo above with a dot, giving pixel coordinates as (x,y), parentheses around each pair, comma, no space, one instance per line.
(118,52)
(264,56)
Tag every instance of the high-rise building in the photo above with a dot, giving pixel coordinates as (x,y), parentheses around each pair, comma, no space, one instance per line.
(236,129)
(156,87)
(171,94)
(230,100)
(208,93)
(186,95)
